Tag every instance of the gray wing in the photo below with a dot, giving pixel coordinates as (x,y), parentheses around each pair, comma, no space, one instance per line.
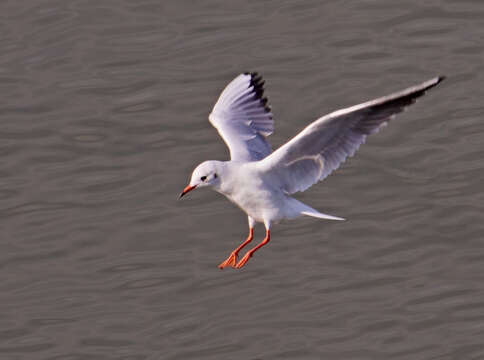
(243,118)
(323,145)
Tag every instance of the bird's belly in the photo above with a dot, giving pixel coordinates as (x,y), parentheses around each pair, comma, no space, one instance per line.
(261,206)
(258,198)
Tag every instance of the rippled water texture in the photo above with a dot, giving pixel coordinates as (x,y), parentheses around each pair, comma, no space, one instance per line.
(104,105)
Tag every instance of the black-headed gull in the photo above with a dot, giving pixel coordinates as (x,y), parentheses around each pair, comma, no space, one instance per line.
(260,181)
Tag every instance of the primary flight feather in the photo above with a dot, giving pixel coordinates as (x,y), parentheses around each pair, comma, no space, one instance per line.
(260,181)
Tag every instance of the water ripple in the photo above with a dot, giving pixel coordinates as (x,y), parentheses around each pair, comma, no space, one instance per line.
(104,109)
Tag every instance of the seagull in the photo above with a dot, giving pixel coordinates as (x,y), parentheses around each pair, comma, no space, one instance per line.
(261,181)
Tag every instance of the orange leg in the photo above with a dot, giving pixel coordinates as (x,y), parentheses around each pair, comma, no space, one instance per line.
(251,252)
(232,259)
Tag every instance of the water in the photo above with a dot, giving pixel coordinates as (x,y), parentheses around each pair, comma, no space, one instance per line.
(103,108)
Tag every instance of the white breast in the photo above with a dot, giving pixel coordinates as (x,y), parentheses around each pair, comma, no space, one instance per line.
(243,184)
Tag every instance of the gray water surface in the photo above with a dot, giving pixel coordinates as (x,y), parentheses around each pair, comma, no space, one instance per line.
(104,105)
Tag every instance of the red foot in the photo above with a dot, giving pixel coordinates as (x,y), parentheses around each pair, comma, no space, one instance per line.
(249,253)
(244,260)
(231,261)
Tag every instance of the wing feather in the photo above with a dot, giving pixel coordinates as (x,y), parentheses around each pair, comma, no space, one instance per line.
(322,146)
(243,119)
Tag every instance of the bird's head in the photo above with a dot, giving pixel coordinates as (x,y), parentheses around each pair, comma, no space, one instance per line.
(205,174)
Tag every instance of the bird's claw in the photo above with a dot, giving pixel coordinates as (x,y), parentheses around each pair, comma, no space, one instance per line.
(244,260)
(231,261)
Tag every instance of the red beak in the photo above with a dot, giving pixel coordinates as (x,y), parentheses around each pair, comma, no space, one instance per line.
(187,189)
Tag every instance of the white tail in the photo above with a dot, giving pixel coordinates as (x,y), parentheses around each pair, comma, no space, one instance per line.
(303,209)
(317,214)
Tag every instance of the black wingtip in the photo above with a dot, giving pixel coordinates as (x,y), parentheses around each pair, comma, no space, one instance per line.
(257,83)
(428,85)
(251,73)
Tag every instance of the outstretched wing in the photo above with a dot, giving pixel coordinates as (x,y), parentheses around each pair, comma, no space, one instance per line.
(323,145)
(243,118)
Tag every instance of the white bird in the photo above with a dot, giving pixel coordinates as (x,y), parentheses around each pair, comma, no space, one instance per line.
(260,181)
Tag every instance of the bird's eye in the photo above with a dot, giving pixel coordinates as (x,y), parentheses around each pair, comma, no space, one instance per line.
(203,178)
